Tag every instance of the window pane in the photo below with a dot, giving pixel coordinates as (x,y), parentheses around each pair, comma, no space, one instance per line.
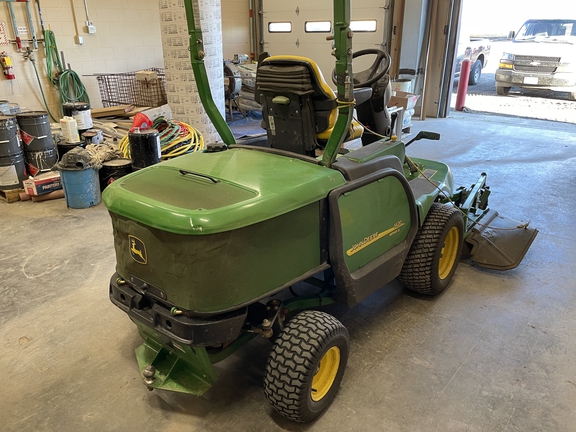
(279,27)
(318,26)
(363,26)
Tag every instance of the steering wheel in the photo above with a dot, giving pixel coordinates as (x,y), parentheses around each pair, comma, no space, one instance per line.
(376,71)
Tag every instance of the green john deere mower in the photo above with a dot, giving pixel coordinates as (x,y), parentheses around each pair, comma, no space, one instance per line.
(208,244)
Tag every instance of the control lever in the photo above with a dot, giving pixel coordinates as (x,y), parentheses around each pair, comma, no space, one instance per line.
(424,135)
(421,135)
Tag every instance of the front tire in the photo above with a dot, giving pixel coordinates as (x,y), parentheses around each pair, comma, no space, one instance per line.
(502,91)
(475,73)
(306,366)
(435,252)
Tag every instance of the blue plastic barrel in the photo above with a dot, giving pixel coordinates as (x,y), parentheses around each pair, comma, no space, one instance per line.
(81,187)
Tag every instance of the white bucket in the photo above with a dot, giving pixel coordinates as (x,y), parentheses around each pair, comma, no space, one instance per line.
(69,129)
(404,85)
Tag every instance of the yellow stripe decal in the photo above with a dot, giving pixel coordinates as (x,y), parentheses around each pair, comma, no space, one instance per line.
(374,238)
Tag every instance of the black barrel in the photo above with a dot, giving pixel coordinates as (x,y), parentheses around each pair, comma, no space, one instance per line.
(35,130)
(64,147)
(9,140)
(12,166)
(112,170)
(40,161)
(144,147)
(81,113)
(39,149)
(12,171)
(4,107)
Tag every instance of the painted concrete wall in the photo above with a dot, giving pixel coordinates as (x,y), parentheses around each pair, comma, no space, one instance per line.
(127,39)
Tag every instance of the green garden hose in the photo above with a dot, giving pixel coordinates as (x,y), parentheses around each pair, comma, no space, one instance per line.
(67,81)
(41,89)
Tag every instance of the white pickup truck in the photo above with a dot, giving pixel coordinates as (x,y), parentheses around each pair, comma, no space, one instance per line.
(542,56)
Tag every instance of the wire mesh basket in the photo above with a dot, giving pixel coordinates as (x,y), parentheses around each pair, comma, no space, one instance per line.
(144,88)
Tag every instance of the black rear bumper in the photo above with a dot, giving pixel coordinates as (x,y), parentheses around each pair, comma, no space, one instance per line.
(186,330)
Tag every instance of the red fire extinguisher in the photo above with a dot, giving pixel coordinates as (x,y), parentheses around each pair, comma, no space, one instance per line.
(7,66)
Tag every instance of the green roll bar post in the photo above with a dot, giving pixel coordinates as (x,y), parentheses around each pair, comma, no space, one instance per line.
(342,50)
(197,55)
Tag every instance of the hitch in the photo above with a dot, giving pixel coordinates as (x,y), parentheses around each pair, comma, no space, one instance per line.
(274,316)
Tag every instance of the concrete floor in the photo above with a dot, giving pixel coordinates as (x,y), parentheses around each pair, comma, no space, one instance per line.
(495,352)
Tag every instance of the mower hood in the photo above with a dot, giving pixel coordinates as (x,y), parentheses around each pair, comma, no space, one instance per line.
(206,193)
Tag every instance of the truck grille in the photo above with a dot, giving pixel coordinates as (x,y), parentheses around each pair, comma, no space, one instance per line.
(540,59)
(535,69)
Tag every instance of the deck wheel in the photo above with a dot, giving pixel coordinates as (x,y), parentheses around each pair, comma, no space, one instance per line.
(435,252)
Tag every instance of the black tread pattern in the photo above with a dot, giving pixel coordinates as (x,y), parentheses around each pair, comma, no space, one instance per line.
(294,354)
(417,271)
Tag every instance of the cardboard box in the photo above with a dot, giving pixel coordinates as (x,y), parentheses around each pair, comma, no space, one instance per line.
(43,183)
(404,100)
(146,75)
(154,113)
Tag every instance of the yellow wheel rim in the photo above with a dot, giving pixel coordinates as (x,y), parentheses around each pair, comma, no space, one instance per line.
(325,374)
(449,251)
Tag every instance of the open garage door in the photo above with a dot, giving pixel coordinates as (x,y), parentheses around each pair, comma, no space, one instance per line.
(533,65)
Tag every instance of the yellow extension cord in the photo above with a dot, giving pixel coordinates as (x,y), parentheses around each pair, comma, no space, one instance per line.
(194,136)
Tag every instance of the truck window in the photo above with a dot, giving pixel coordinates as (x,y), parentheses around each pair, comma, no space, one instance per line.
(547,29)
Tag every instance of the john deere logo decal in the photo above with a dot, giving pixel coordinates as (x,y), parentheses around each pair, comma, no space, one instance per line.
(138,250)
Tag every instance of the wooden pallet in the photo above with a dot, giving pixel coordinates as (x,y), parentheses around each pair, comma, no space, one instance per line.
(11,195)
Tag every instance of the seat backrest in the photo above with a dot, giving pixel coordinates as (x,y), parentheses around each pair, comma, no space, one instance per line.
(297,103)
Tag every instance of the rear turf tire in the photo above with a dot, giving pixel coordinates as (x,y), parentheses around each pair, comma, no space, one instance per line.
(306,366)
(435,252)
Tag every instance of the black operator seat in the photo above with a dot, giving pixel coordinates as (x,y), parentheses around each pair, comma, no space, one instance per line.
(299,109)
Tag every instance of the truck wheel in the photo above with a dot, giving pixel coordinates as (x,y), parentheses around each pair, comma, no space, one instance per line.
(475,73)
(502,91)
(306,366)
(435,253)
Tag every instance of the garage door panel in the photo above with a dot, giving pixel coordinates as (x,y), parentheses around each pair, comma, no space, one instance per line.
(314,45)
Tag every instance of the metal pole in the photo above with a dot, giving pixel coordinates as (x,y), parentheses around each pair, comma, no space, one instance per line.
(14,27)
(31,25)
(251,21)
(86,9)
(40,15)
